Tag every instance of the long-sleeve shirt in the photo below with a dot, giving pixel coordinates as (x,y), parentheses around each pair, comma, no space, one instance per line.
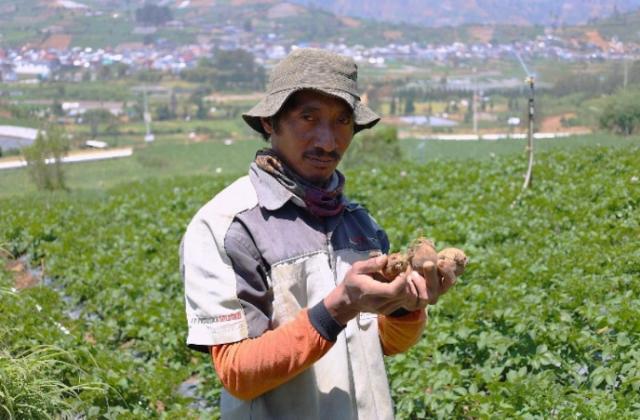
(252,367)
(257,266)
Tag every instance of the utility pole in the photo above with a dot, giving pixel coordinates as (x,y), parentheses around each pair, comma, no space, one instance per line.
(475,102)
(626,73)
(149,137)
(529,175)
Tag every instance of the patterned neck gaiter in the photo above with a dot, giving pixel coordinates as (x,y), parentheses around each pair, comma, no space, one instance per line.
(319,202)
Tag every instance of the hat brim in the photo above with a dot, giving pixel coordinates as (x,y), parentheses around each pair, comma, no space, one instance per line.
(364,117)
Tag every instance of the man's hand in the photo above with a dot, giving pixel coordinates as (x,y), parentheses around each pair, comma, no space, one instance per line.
(361,292)
(432,282)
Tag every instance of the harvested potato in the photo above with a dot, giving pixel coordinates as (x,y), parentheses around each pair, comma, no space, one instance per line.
(457,256)
(423,258)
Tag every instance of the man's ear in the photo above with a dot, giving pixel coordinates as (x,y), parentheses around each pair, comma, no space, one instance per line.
(266,125)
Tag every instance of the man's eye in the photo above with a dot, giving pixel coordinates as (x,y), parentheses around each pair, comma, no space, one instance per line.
(345,120)
(307,117)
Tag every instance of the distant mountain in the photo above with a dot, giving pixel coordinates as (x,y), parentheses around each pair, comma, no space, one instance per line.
(112,23)
(457,12)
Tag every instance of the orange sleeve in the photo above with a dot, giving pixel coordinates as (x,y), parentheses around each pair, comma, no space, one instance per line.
(251,367)
(398,334)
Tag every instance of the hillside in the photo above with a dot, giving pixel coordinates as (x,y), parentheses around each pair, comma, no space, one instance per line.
(458,12)
(618,26)
(101,23)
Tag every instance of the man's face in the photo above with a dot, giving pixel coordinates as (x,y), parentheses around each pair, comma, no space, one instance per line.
(313,132)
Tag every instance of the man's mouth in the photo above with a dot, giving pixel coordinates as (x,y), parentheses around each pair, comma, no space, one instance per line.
(323,159)
(322,163)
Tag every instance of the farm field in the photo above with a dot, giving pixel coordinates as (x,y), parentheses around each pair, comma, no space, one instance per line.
(545,323)
(171,157)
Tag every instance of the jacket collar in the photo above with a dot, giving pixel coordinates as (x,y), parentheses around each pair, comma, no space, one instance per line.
(271,194)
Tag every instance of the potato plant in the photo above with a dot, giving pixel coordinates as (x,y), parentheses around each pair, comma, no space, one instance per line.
(543,323)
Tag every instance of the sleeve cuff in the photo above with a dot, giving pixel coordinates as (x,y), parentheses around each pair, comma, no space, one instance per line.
(324,323)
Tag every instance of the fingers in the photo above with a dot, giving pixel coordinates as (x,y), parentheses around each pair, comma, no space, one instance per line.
(432,281)
(375,290)
(447,271)
(409,289)
(422,294)
(399,285)
(413,288)
(371,265)
(402,294)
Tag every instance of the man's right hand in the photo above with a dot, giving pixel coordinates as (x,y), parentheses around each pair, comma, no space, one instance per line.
(361,292)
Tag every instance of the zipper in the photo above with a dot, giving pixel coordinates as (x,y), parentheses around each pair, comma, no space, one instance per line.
(332,266)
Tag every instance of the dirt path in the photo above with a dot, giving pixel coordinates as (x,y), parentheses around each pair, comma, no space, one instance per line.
(14,162)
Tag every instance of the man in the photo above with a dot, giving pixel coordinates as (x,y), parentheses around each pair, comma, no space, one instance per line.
(279,283)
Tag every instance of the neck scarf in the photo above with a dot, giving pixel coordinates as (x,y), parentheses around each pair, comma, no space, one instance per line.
(319,201)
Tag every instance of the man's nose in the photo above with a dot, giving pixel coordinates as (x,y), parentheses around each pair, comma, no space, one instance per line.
(326,138)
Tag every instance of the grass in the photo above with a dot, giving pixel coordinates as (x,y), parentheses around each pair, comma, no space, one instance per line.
(172,132)
(39,380)
(118,91)
(23,25)
(172,157)
(150,162)
(102,31)
(29,387)
(425,150)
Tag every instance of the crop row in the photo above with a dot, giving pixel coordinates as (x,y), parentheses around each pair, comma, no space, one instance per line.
(544,323)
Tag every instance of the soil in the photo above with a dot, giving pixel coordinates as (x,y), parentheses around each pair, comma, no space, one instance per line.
(57,41)
(21,274)
(553,124)
(349,22)
(481,33)
(392,35)
(595,38)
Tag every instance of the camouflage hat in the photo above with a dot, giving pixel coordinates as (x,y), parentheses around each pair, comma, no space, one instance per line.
(310,68)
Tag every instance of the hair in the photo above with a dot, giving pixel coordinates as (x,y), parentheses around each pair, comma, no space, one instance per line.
(290,103)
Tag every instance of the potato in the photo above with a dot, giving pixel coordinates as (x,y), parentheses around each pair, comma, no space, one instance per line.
(423,258)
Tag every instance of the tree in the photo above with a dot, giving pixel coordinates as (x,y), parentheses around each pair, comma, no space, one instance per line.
(201,112)
(228,70)
(622,113)
(44,159)
(247,25)
(173,103)
(197,98)
(56,108)
(151,76)
(153,15)
(163,112)
(373,147)
(409,107)
(95,117)
(104,72)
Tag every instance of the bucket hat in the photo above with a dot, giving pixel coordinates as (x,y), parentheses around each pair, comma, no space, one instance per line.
(311,68)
